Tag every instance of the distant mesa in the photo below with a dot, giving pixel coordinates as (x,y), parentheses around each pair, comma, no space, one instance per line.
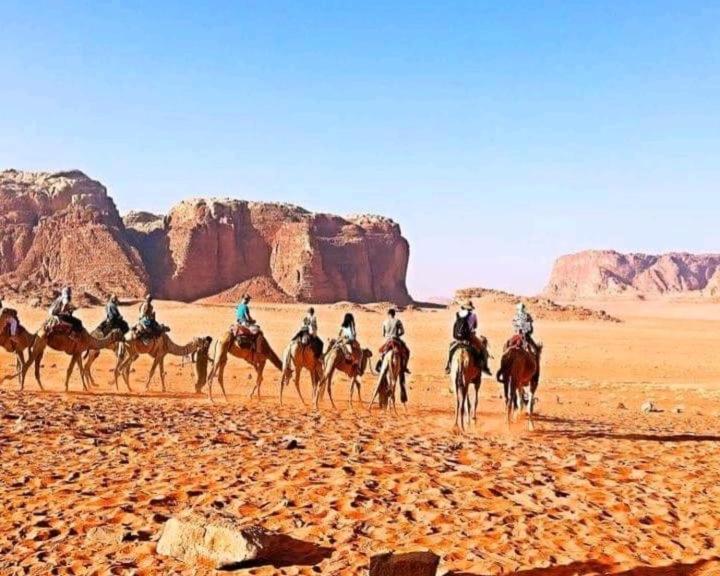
(540,308)
(64,228)
(605,273)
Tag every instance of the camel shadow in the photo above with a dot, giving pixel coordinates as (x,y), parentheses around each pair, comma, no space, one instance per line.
(288,551)
(596,567)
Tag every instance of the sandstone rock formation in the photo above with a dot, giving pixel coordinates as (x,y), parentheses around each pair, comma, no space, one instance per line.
(206,246)
(597,274)
(63,228)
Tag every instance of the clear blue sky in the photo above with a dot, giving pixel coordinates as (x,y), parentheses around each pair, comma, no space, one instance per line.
(499,134)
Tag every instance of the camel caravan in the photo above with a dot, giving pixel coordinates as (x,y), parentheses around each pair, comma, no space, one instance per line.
(468,355)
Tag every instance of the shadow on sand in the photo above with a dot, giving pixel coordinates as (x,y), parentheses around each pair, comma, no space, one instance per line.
(289,552)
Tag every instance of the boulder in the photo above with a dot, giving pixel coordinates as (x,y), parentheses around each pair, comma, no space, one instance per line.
(408,564)
(213,537)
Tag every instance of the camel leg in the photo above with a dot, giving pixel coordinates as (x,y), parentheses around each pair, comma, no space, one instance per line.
(221,378)
(458,397)
(152,372)
(89,361)
(82,373)
(530,408)
(283,378)
(477,401)
(321,386)
(329,389)
(392,397)
(20,365)
(297,385)
(34,359)
(382,376)
(258,382)
(510,403)
(162,372)
(69,372)
(118,373)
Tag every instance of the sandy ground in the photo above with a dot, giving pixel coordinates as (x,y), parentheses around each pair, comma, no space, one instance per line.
(597,487)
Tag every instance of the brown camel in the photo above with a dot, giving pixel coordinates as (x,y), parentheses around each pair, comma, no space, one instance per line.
(296,357)
(464,371)
(335,359)
(92,355)
(157,348)
(75,344)
(389,377)
(520,369)
(23,340)
(256,356)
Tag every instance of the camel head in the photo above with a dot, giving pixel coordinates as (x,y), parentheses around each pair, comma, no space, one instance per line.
(366,355)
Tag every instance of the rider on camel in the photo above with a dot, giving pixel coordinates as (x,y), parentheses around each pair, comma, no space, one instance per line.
(523,326)
(393,331)
(113,317)
(242,313)
(309,329)
(465,331)
(348,340)
(62,310)
(148,325)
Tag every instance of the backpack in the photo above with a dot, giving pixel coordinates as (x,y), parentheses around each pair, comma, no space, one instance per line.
(461,329)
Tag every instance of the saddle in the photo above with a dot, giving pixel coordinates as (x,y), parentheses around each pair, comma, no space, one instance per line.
(517,341)
(245,336)
(56,327)
(106,326)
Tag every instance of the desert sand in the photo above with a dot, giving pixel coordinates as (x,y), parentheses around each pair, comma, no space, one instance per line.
(87,480)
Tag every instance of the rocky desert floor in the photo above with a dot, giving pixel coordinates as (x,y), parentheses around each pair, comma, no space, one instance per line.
(87,480)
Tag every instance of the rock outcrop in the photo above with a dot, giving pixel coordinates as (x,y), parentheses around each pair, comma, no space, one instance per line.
(599,274)
(206,246)
(64,228)
(540,308)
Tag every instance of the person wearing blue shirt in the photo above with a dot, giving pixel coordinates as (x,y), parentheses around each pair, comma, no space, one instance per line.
(242,313)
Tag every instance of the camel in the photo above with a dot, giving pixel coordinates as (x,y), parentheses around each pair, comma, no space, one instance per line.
(389,376)
(519,369)
(92,355)
(335,360)
(464,370)
(23,340)
(257,356)
(296,357)
(157,348)
(73,344)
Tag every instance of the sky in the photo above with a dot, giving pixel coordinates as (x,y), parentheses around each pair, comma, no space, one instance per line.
(498,134)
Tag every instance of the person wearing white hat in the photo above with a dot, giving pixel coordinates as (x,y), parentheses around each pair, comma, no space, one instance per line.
(62,309)
(465,331)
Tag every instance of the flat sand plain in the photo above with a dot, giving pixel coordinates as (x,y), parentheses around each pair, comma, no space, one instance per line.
(87,480)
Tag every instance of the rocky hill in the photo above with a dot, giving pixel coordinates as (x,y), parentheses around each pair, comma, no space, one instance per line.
(540,308)
(64,228)
(599,274)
